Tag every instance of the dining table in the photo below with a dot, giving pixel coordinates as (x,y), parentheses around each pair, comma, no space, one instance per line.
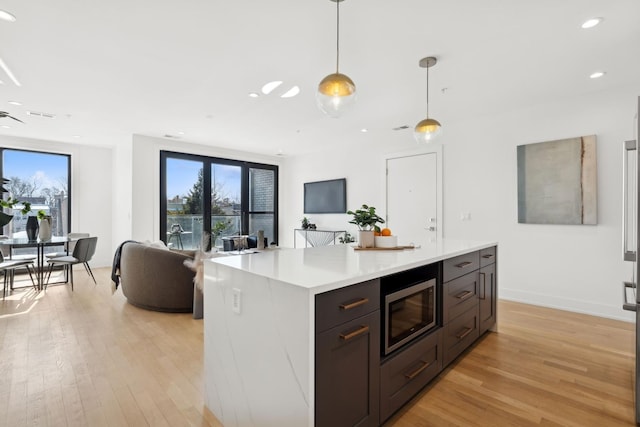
(40,245)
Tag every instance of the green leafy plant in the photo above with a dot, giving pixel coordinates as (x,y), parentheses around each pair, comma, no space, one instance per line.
(347,238)
(366,218)
(218,228)
(10,203)
(305,223)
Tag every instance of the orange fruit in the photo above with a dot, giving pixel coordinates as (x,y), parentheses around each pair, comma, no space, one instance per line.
(376,233)
(385,232)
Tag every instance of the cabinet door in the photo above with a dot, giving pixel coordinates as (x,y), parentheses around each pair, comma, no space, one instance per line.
(348,373)
(487,296)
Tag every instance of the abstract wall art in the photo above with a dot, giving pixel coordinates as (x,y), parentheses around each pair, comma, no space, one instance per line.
(557,182)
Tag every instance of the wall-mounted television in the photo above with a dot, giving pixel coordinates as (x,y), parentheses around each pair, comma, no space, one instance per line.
(325,196)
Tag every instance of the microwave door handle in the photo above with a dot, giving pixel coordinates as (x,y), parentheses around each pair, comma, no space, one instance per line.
(628,255)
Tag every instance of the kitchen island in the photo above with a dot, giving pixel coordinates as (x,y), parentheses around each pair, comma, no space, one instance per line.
(262,328)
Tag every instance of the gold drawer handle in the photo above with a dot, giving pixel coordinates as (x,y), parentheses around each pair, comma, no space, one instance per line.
(355,304)
(363,329)
(464,264)
(466,332)
(415,373)
(464,295)
(488,256)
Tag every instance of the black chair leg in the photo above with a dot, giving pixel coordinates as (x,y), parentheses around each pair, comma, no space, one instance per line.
(31,276)
(46,282)
(89,272)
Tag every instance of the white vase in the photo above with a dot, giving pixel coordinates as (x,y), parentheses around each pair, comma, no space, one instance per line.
(44,230)
(365,238)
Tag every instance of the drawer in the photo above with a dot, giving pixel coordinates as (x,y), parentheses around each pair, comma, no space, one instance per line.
(488,256)
(407,373)
(342,305)
(459,334)
(460,265)
(459,296)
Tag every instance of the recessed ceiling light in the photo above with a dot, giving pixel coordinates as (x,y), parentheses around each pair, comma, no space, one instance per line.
(597,75)
(76,136)
(590,23)
(180,133)
(254,94)
(364,130)
(6,16)
(269,87)
(15,103)
(291,92)
(5,127)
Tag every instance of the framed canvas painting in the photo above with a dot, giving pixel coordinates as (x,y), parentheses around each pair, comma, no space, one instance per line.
(557,182)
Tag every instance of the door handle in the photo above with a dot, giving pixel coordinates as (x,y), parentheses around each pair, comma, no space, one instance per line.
(628,254)
(629,306)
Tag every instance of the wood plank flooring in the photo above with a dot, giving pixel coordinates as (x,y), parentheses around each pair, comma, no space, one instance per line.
(87,358)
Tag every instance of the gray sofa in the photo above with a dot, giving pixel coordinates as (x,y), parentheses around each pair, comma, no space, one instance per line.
(156,279)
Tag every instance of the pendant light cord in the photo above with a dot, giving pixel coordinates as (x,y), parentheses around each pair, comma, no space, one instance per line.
(428,92)
(337,36)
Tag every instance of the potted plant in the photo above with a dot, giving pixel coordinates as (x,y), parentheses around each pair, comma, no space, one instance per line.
(305,223)
(44,226)
(217,230)
(366,219)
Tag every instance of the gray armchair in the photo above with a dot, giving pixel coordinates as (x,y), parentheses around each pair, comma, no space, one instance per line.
(156,279)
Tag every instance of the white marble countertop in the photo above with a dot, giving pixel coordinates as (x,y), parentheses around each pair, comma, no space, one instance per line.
(325,268)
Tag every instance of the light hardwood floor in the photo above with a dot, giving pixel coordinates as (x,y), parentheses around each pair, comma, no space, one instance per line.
(87,358)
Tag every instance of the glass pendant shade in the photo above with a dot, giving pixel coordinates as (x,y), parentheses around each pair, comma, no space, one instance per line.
(427,130)
(335,94)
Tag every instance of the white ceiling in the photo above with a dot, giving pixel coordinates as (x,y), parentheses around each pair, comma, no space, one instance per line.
(110,69)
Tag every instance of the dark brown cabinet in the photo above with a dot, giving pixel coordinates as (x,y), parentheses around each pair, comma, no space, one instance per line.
(353,385)
(407,372)
(488,289)
(348,356)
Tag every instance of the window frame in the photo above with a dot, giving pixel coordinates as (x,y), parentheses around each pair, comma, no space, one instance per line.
(207,162)
(69,187)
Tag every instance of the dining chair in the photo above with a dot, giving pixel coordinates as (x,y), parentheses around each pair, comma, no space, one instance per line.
(8,269)
(12,257)
(72,243)
(83,252)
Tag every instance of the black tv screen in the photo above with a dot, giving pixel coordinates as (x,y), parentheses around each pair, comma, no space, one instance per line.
(325,196)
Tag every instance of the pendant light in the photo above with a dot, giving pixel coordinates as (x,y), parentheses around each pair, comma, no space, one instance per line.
(336,92)
(428,129)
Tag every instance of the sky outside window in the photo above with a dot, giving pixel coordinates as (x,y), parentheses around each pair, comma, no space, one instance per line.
(44,169)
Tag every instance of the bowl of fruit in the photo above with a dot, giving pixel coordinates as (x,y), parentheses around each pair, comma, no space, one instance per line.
(385,239)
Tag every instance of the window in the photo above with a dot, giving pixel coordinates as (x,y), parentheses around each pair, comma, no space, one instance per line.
(219,196)
(43,179)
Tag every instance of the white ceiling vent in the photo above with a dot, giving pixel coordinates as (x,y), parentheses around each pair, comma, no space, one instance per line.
(403,127)
(41,114)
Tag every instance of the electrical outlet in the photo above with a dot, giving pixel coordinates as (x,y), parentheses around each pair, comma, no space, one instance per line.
(236,300)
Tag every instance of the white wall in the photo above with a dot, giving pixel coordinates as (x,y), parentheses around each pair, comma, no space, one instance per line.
(578,268)
(91,189)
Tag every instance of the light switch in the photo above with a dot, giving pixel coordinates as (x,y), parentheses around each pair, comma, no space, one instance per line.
(236,300)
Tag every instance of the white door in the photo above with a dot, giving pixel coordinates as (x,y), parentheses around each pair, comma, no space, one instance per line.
(413,197)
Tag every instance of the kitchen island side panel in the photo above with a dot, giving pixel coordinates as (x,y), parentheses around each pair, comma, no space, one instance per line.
(258,362)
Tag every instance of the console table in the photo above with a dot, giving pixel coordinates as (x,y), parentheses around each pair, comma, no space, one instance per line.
(314,238)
